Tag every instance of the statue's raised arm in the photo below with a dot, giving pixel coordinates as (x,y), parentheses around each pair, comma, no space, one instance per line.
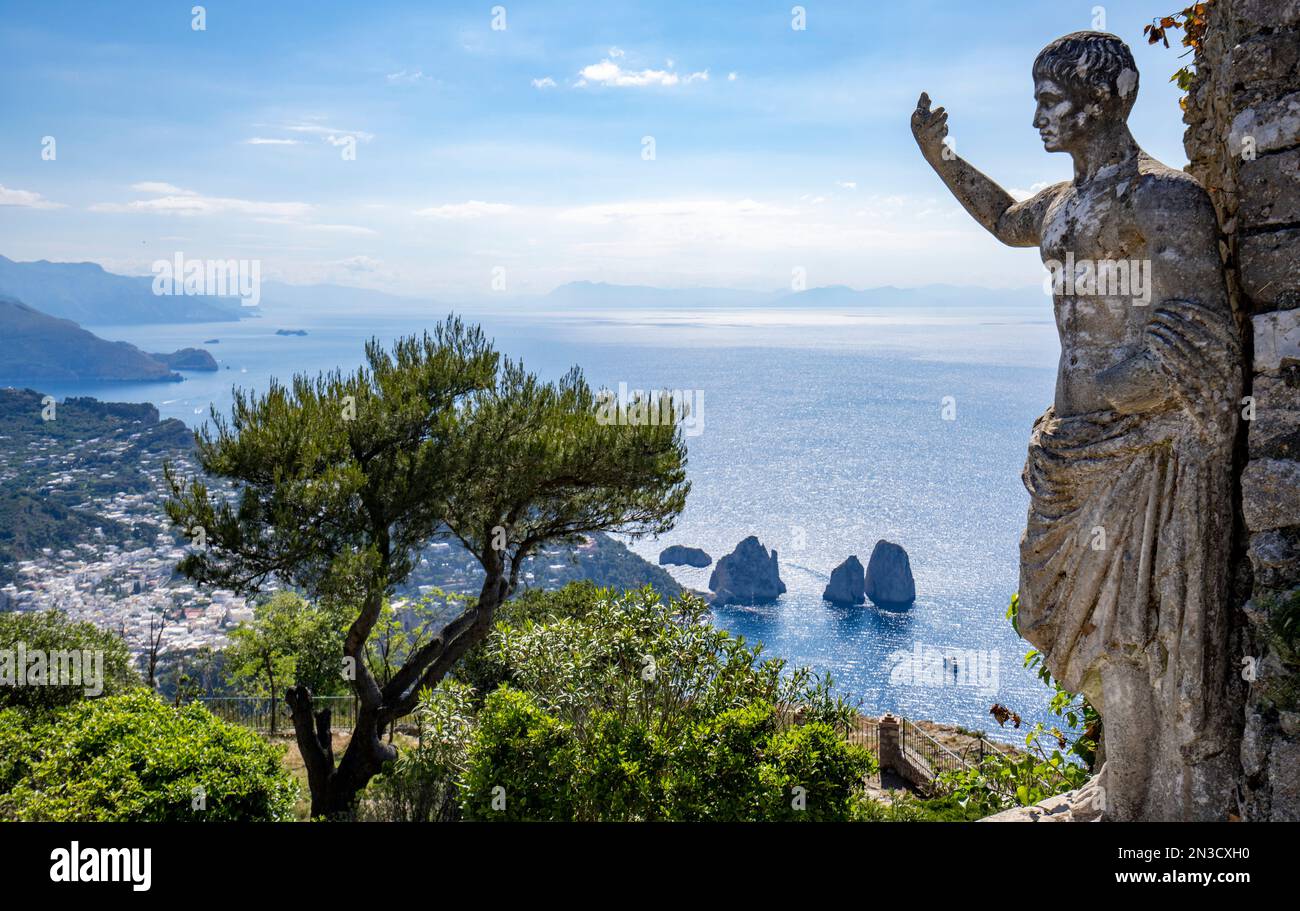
(1123,564)
(1016,224)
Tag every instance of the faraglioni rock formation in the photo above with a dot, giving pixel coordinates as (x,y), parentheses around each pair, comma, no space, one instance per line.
(889,581)
(848,583)
(747,575)
(1123,563)
(680,555)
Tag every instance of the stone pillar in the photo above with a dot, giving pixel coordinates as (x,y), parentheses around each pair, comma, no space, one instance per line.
(1243,142)
(891,750)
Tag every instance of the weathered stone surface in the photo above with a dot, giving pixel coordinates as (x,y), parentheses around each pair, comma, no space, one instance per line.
(1273,125)
(888,581)
(1275,430)
(1270,269)
(848,583)
(1124,564)
(1270,494)
(678,555)
(1269,190)
(1264,58)
(1277,339)
(747,575)
(1080,805)
(1284,774)
(1275,557)
(1253,15)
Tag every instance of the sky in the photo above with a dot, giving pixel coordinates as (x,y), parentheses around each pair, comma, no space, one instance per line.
(442,148)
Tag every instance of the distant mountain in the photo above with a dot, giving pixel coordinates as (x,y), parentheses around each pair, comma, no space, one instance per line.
(598,295)
(85,293)
(41,348)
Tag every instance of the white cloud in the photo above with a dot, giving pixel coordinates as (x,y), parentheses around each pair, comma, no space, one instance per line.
(1020,195)
(847,184)
(607,72)
(474,208)
(341,229)
(731,77)
(157,186)
(171,200)
(26,199)
(263,141)
(360,264)
(546,82)
(406,77)
(331,135)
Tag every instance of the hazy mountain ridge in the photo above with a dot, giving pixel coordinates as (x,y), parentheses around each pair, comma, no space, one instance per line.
(40,348)
(86,293)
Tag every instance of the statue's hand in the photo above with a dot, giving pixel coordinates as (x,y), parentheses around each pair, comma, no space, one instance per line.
(929,127)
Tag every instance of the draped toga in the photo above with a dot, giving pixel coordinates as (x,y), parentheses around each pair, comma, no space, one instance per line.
(1126,551)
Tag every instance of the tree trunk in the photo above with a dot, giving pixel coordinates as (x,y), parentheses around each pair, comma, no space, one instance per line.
(335,790)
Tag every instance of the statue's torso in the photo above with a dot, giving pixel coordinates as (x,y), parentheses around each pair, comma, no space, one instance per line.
(1095,222)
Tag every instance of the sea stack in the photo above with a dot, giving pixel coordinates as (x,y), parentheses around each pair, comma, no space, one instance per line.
(747,575)
(678,555)
(848,583)
(889,580)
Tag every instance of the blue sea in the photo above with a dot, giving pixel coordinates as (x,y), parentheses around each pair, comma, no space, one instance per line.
(822,432)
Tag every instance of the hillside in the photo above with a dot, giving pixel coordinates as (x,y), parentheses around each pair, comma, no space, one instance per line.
(40,348)
(85,293)
(81,496)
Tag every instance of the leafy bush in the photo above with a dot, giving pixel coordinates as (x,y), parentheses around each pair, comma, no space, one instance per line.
(420,786)
(48,632)
(134,758)
(622,707)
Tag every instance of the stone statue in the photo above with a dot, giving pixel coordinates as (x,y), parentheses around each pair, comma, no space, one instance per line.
(1124,563)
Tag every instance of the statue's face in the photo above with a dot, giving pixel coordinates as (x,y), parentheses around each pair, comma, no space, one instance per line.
(1062,121)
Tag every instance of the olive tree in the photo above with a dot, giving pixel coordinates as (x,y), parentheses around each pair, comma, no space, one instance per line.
(339,481)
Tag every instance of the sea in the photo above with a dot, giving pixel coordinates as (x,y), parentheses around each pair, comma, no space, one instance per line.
(819,431)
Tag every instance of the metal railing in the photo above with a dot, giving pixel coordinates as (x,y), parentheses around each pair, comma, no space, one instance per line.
(257,712)
(866,734)
(930,755)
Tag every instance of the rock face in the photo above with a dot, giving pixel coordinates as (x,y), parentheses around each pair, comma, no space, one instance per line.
(848,583)
(1247,90)
(889,580)
(747,575)
(678,555)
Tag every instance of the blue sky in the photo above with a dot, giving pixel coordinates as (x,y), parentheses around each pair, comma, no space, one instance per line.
(522,149)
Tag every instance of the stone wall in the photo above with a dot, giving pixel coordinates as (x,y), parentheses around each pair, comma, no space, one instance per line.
(1243,142)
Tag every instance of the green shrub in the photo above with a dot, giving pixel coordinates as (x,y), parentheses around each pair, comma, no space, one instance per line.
(519,762)
(623,707)
(133,757)
(47,632)
(420,786)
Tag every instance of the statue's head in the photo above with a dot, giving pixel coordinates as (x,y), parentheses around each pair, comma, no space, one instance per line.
(1082,83)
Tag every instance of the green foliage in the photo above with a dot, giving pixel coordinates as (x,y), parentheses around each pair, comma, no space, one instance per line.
(48,632)
(134,758)
(288,642)
(623,707)
(909,808)
(1280,687)
(1193,21)
(420,786)
(521,759)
